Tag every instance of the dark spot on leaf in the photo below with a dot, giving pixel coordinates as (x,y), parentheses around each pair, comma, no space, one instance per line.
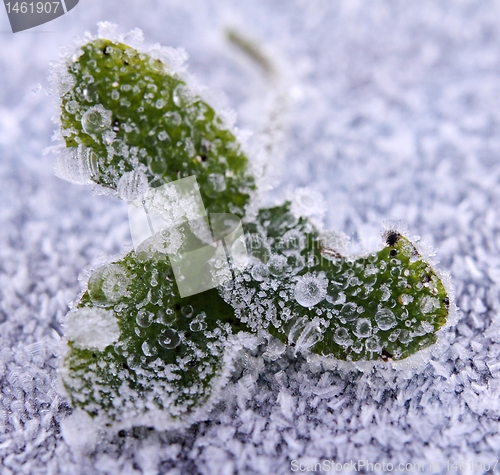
(392,238)
(446,301)
(393,253)
(385,355)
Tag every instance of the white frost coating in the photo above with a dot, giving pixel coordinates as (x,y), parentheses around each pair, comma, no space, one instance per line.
(309,203)
(91,328)
(75,164)
(428,304)
(310,289)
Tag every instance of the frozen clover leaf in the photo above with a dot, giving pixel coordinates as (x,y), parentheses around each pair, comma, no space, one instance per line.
(388,304)
(135,346)
(129,118)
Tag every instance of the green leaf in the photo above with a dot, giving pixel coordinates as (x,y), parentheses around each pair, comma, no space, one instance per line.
(386,305)
(167,352)
(126,111)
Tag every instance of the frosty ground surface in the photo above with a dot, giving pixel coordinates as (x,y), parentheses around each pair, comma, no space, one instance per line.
(395,116)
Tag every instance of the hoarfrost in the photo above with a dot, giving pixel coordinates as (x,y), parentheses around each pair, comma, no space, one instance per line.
(76,165)
(91,328)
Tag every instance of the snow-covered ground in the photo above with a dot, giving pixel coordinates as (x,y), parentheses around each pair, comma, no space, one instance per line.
(395,115)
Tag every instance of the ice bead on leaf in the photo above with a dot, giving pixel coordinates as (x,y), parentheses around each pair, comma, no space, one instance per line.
(134,112)
(142,354)
(311,289)
(389,304)
(132,185)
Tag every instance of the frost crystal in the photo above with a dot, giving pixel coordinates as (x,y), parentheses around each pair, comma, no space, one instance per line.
(311,289)
(91,328)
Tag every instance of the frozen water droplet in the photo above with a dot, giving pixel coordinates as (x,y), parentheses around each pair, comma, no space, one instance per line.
(173,119)
(182,96)
(108,285)
(394,335)
(72,107)
(358,346)
(305,334)
(187,311)
(311,289)
(169,339)
(260,272)
(160,103)
(163,136)
(405,299)
(385,319)
(349,312)
(373,344)
(395,271)
(342,337)
(405,337)
(144,318)
(363,328)
(196,326)
(168,240)
(428,304)
(277,265)
(216,183)
(149,349)
(132,185)
(96,120)
(166,316)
